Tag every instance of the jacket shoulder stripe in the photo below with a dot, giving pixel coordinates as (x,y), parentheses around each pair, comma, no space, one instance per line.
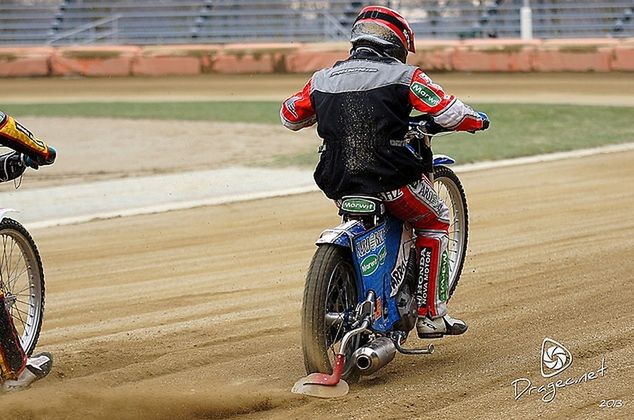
(361,75)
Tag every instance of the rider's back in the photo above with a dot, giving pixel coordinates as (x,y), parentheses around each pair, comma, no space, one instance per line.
(362,106)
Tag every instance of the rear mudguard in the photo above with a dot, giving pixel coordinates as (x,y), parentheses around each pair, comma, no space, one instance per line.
(341,235)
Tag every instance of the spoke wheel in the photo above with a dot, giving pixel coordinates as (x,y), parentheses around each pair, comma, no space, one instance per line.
(450,190)
(330,298)
(22,281)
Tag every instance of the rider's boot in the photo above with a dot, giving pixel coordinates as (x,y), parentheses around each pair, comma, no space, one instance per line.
(37,367)
(438,327)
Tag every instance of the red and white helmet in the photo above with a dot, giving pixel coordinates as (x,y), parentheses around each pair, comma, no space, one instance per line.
(384,27)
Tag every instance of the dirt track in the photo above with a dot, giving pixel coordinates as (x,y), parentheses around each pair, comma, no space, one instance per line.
(576,88)
(195,314)
(159,317)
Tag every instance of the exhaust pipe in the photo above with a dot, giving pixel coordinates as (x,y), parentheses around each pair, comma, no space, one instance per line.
(374,356)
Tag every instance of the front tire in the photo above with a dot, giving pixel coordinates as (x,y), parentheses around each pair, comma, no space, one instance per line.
(330,298)
(450,190)
(22,281)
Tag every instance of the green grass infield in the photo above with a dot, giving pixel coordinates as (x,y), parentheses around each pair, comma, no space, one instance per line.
(516,129)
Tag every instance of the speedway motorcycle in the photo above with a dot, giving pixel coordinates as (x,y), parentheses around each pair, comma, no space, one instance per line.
(21,276)
(359,302)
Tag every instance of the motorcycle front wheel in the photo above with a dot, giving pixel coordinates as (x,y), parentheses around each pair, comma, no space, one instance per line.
(330,298)
(22,281)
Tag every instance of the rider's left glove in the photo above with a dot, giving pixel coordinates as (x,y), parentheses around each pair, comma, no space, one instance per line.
(37,161)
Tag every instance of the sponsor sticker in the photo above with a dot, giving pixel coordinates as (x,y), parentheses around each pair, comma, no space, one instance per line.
(425,191)
(370,243)
(353,70)
(425,94)
(369,265)
(423,278)
(358,205)
(397,276)
(391,195)
(24,130)
(24,135)
(426,78)
(382,255)
(290,105)
(378,309)
(444,277)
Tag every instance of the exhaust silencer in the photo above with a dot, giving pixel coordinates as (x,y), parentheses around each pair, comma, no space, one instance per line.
(374,356)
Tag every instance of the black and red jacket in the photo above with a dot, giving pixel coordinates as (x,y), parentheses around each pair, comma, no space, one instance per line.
(362,107)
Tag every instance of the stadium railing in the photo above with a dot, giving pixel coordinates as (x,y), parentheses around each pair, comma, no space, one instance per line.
(224,21)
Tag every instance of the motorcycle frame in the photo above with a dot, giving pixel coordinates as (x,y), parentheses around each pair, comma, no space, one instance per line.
(387,243)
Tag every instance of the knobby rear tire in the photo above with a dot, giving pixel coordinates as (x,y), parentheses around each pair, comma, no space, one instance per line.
(451,191)
(22,281)
(330,264)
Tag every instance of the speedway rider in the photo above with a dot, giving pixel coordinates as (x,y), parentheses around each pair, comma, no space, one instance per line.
(362,107)
(17,371)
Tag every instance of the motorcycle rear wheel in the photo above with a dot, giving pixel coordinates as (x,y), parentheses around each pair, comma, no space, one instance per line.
(330,297)
(22,281)
(450,190)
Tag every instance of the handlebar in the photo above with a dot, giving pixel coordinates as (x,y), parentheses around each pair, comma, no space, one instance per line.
(425,125)
(30,163)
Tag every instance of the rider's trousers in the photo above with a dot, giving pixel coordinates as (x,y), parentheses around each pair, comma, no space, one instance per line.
(420,206)
(12,357)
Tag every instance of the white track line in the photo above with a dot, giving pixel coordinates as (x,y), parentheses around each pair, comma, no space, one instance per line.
(188,204)
(162,208)
(549,157)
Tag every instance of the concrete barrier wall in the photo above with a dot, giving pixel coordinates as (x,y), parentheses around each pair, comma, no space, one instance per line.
(571,55)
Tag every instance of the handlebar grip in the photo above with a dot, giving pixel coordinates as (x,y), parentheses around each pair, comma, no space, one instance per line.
(29,162)
(32,163)
(485,120)
(52,155)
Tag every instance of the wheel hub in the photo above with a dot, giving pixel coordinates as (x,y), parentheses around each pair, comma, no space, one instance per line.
(9,300)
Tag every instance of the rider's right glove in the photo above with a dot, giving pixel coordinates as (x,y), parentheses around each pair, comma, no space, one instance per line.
(485,120)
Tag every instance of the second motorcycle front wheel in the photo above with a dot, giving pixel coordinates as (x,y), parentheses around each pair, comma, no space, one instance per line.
(22,281)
